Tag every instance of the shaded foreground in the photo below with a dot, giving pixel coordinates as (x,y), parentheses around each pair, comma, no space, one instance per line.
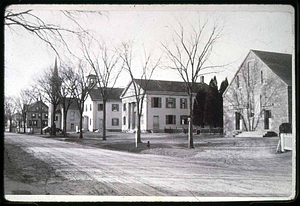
(218,167)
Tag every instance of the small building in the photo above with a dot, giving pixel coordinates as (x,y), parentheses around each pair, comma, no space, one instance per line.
(93,110)
(36,116)
(259,97)
(165,106)
(73,116)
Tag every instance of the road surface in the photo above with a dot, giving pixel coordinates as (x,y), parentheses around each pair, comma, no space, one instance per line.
(73,169)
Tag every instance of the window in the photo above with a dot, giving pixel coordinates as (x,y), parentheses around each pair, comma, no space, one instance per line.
(34,123)
(86,107)
(238,81)
(90,121)
(33,115)
(115,107)
(39,115)
(46,115)
(56,118)
(124,120)
(156,102)
(124,107)
(261,77)
(170,103)
(45,123)
(250,67)
(30,123)
(90,107)
(72,116)
(100,107)
(183,103)
(72,127)
(115,122)
(183,119)
(170,119)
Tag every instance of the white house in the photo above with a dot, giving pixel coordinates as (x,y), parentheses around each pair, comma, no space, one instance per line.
(73,117)
(165,105)
(93,111)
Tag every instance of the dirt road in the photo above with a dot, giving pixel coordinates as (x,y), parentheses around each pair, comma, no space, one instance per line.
(63,168)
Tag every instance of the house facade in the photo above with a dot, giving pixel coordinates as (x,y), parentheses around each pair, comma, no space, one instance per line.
(73,117)
(259,97)
(165,105)
(36,116)
(93,111)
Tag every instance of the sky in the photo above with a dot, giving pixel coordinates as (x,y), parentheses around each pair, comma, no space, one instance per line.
(264,27)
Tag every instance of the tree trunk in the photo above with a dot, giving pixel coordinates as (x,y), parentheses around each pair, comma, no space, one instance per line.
(65,123)
(104,121)
(41,118)
(190,134)
(53,121)
(80,125)
(24,121)
(138,131)
(10,125)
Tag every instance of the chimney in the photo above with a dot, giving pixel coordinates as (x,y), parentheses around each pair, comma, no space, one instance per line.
(201,79)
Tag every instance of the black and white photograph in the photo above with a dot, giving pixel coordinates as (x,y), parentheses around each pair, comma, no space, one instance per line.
(149,103)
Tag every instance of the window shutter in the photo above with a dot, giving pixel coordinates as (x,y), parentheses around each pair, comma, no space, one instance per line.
(174,100)
(159,102)
(166,102)
(167,119)
(152,102)
(174,119)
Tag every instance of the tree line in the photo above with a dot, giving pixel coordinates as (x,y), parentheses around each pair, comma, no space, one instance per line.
(208,104)
(187,53)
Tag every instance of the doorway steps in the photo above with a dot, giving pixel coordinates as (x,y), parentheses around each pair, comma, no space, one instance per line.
(252,134)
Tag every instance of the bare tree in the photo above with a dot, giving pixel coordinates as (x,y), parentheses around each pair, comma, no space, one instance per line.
(9,110)
(140,84)
(52,34)
(22,101)
(80,88)
(106,66)
(49,84)
(66,95)
(189,55)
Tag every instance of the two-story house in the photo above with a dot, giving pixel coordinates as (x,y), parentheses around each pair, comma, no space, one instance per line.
(93,110)
(36,116)
(165,105)
(259,97)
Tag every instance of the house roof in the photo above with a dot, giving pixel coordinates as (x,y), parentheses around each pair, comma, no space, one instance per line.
(32,107)
(114,93)
(279,63)
(166,86)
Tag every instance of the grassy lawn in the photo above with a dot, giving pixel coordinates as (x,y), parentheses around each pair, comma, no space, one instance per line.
(176,145)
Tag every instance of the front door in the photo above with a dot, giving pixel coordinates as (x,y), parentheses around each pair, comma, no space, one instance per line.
(266,118)
(237,120)
(155,123)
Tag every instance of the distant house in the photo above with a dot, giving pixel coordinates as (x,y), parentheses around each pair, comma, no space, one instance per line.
(259,97)
(73,117)
(93,110)
(165,105)
(36,116)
